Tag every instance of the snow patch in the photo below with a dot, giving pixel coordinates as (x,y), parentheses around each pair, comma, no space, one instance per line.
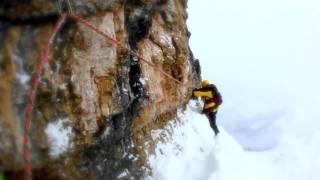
(144,81)
(106,132)
(23,78)
(155,134)
(123,174)
(73,78)
(63,86)
(188,152)
(193,152)
(59,135)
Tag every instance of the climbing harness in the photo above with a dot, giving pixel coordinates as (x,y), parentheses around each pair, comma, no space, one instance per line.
(44,58)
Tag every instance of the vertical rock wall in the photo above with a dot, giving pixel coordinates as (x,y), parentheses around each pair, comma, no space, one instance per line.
(111,99)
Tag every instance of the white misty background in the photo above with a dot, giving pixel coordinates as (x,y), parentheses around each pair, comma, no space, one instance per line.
(264,57)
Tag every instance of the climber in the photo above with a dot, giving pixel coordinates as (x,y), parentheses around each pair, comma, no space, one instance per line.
(212,100)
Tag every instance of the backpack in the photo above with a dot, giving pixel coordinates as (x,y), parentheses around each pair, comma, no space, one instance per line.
(217,98)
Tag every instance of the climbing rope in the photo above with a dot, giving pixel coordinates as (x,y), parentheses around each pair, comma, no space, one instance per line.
(121,45)
(44,58)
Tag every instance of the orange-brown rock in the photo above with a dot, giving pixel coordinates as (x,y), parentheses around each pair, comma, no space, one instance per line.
(108,98)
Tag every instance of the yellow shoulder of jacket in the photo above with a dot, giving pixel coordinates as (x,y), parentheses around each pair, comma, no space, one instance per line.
(203,94)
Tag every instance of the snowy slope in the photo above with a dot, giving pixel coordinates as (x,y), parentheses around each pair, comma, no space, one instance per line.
(192,152)
(264,58)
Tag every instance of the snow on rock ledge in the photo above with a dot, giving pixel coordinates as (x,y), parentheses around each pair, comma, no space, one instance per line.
(59,136)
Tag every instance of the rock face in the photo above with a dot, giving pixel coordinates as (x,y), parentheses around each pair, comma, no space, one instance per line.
(108,97)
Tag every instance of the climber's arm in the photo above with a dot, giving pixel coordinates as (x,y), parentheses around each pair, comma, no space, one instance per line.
(202,93)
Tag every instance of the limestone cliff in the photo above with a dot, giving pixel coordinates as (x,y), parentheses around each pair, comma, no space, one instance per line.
(105,96)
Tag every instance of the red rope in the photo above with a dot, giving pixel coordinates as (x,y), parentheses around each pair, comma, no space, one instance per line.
(119,44)
(44,58)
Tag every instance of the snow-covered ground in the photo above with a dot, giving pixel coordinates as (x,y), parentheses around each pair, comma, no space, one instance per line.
(191,151)
(264,58)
